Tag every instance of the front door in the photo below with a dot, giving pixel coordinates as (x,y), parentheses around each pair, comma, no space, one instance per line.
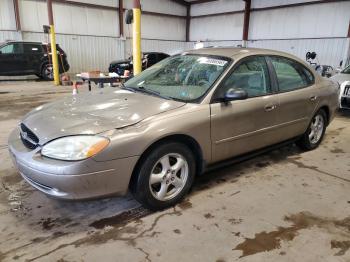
(11,59)
(242,126)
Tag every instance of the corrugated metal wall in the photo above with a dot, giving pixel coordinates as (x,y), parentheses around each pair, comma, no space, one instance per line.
(90,36)
(169,47)
(7,16)
(85,52)
(10,35)
(321,28)
(330,51)
(69,19)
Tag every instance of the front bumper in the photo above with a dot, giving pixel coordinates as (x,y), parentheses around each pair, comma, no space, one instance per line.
(71,179)
(344,98)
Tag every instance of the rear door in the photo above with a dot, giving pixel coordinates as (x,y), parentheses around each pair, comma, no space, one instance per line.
(33,54)
(297,95)
(11,59)
(242,126)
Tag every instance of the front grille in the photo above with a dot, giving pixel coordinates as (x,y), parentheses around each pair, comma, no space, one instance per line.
(29,139)
(347,90)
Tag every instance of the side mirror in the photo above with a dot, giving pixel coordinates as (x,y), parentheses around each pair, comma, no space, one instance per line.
(235,94)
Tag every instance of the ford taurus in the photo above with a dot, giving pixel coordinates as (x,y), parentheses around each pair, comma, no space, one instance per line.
(165,126)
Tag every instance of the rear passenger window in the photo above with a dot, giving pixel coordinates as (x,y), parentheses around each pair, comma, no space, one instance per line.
(32,49)
(291,75)
(252,75)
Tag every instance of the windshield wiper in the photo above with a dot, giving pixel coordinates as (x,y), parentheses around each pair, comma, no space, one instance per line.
(128,88)
(152,92)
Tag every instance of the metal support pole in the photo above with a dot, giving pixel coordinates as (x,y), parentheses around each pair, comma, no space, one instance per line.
(56,73)
(246,23)
(136,37)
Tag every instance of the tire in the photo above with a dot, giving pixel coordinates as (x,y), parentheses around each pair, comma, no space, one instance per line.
(47,72)
(314,134)
(164,176)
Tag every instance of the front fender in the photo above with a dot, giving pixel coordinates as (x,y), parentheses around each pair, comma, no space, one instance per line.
(190,120)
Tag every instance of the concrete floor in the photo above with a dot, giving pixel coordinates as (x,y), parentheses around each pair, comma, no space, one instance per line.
(287,205)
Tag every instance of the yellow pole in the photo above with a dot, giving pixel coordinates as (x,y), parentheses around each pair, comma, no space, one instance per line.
(56,74)
(136,37)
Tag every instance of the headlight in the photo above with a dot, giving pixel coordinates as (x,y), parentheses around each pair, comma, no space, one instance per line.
(75,147)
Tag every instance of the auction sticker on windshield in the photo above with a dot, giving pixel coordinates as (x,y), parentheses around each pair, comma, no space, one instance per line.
(212,61)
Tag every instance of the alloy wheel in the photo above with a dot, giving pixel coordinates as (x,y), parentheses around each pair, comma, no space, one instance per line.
(48,71)
(168,176)
(316,129)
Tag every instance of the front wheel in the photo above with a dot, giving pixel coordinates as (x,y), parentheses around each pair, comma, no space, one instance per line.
(164,176)
(47,72)
(315,132)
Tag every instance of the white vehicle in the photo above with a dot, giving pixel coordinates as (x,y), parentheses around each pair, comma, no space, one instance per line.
(343,78)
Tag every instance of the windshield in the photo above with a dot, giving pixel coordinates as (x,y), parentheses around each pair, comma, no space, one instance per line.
(182,77)
(346,70)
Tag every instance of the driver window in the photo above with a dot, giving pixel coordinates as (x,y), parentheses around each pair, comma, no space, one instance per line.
(252,75)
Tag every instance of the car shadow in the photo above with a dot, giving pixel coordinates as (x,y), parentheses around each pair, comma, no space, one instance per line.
(343,113)
(20,78)
(90,212)
(234,171)
(51,218)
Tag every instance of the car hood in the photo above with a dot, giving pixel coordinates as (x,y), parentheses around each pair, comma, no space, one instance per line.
(94,112)
(340,78)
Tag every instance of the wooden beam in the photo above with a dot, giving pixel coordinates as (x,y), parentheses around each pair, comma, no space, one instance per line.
(17,15)
(201,2)
(163,14)
(272,8)
(297,5)
(246,20)
(181,2)
(219,14)
(188,23)
(111,8)
(121,18)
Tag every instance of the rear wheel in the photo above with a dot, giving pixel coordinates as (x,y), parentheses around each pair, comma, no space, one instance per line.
(164,176)
(315,132)
(47,72)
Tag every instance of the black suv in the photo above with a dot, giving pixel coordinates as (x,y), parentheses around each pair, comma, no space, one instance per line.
(28,58)
(148,59)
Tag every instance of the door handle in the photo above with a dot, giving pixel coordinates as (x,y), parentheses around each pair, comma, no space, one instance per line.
(313,98)
(269,108)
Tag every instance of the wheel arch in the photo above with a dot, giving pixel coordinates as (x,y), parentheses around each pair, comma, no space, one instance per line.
(187,140)
(325,108)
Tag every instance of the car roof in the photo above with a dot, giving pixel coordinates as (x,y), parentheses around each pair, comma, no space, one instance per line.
(24,42)
(147,53)
(240,52)
(234,51)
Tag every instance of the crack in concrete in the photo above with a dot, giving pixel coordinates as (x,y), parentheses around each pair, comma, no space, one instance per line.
(146,253)
(98,238)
